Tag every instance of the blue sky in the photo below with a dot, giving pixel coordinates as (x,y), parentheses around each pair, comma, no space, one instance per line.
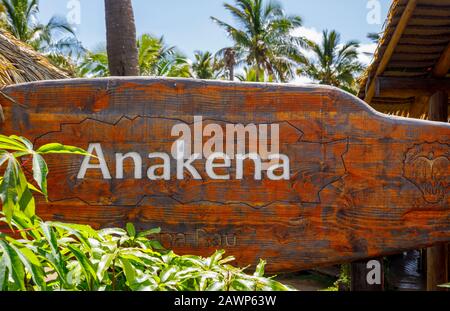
(187,24)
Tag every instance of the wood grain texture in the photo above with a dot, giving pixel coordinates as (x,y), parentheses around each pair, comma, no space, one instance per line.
(362,184)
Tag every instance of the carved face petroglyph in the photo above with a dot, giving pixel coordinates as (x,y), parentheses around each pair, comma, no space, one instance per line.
(428,167)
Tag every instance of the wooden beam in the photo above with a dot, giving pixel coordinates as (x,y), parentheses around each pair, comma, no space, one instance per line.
(439,107)
(419,107)
(443,65)
(404,20)
(409,87)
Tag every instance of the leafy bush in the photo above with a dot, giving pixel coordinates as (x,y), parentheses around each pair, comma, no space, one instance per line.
(15,190)
(52,256)
(58,256)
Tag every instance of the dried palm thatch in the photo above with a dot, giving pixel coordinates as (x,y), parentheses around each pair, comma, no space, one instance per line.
(388,30)
(19,63)
(422,42)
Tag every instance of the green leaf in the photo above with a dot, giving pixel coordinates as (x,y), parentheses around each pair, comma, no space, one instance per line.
(104,265)
(130,272)
(216,286)
(82,232)
(214,259)
(149,232)
(55,148)
(26,225)
(26,202)
(9,143)
(32,264)
(8,189)
(240,284)
(88,269)
(22,140)
(3,274)
(56,257)
(13,264)
(168,274)
(131,230)
(4,156)
(33,188)
(40,172)
(260,268)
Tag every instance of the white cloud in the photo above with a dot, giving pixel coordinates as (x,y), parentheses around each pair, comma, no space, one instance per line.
(366,52)
(310,33)
(302,80)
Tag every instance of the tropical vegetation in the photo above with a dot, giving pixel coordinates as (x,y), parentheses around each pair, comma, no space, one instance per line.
(264,47)
(46,256)
(56,38)
(263,39)
(155,58)
(52,256)
(40,255)
(332,63)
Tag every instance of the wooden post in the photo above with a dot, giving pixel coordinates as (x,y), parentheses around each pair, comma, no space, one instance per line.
(437,256)
(367,275)
(437,266)
(439,107)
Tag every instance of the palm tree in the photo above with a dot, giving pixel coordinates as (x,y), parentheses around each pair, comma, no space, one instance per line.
(263,40)
(228,61)
(121,38)
(205,66)
(94,64)
(375,37)
(250,75)
(19,17)
(333,63)
(155,58)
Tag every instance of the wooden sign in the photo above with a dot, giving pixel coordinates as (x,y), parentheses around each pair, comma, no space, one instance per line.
(299,175)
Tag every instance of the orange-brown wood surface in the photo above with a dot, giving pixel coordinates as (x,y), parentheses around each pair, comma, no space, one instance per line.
(362,184)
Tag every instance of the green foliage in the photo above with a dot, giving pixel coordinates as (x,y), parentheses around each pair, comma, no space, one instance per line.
(156,58)
(56,256)
(208,66)
(20,18)
(445,285)
(250,75)
(94,64)
(52,256)
(263,38)
(343,283)
(332,63)
(15,190)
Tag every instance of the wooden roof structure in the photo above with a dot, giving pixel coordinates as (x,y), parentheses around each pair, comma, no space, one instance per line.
(412,60)
(20,63)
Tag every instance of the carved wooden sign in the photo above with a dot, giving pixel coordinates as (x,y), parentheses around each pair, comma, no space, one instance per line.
(301,176)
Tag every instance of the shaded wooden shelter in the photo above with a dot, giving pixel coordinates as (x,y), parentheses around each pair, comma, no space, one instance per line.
(409,77)
(410,72)
(20,63)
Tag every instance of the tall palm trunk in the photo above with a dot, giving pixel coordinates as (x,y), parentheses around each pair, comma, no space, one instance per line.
(230,62)
(121,38)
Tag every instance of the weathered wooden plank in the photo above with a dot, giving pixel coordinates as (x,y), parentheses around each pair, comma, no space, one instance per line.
(360,184)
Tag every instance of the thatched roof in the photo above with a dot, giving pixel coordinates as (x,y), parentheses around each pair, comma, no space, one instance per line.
(20,63)
(414,49)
